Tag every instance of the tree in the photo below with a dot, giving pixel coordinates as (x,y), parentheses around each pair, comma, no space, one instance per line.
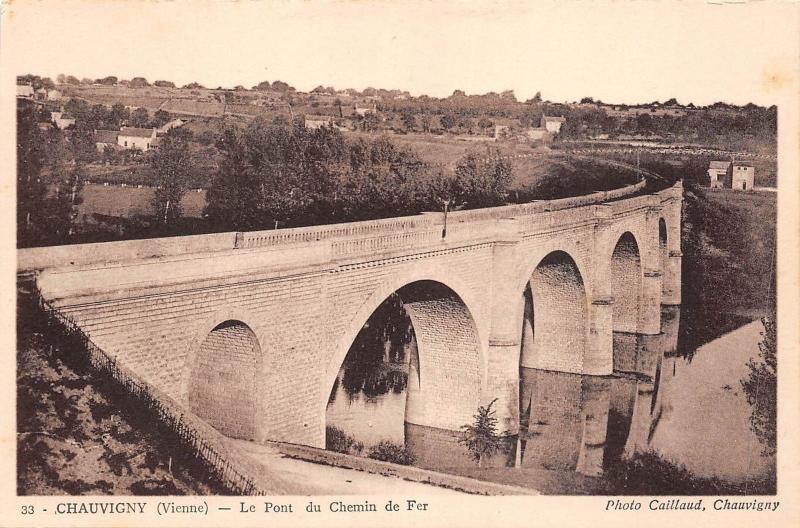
(108,81)
(70,79)
(370,122)
(481,437)
(482,180)
(409,121)
(61,78)
(160,118)
(140,117)
(448,121)
(193,86)
(761,388)
(262,86)
(173,166)
(281,86)
(164,84)
(537,98)
(31,191)
(119,115)
(426,122)
(139,82)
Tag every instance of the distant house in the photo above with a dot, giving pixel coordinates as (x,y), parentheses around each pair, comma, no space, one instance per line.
(313,122)
(25,91)
(136,138)
(501,131)
(718,173)
(363,110)
(552,124)
(742,175)
(62,120)
(40,94)
(53,95)
(105,138)
(739,175)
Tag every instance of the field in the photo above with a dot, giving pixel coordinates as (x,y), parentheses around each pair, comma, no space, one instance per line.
(127,202)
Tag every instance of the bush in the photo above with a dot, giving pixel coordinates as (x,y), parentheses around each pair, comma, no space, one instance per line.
(388,451)
(649,473)
(339,441)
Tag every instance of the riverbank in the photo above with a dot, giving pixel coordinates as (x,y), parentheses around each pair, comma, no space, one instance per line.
(728,257)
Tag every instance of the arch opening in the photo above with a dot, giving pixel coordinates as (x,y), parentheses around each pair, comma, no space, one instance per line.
(222,384)
(663,253)
(415,361)
(555,319)
(626,281)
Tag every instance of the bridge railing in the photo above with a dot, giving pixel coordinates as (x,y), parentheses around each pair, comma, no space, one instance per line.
(274,237)
(346,238)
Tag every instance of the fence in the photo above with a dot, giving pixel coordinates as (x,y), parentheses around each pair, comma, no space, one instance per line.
(213,465)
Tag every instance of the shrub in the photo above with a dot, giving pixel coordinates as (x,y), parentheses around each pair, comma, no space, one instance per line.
(388,451)
(339,441)
(481,437)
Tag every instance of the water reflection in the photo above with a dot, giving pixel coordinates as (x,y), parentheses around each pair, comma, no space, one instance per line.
(656,399)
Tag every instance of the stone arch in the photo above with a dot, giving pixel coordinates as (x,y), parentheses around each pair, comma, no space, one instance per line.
(626,283)
(447,372)
(222,382)
(663,253)
(555,322)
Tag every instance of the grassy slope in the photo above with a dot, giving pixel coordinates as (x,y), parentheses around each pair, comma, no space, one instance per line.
(75,438)
(728,244)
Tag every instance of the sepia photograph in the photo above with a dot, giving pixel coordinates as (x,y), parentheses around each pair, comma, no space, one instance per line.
(432,251)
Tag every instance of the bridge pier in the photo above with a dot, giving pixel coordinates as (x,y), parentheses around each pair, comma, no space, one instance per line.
(650,302)
(672,272)
(505,337)
(600,347)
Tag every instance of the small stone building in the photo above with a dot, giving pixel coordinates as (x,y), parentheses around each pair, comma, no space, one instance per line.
(742,175)
(718,173)
(738,175)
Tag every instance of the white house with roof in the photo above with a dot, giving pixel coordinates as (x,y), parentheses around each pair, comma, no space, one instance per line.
(552,124)
(136,138)
(717,173)
(62,120)
(25,91)
(313,122)
(363,110)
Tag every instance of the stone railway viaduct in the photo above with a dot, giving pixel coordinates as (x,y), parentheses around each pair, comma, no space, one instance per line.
(249,330)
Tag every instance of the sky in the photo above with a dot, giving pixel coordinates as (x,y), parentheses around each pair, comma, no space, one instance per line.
(623,51)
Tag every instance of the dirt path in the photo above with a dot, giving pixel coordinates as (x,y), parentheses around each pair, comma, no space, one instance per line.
(298,477)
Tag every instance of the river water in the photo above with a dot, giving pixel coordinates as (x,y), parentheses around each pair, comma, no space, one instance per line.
(688,407)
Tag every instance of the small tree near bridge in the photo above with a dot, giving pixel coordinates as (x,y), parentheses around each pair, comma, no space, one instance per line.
(481,437)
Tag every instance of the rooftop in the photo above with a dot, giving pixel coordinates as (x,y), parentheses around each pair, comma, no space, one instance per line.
(719,164)
(136,132)
(106,136)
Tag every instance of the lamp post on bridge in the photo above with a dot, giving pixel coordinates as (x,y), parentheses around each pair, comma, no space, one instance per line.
(446,204)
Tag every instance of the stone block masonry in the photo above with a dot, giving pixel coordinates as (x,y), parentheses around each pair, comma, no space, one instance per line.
(249,330)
